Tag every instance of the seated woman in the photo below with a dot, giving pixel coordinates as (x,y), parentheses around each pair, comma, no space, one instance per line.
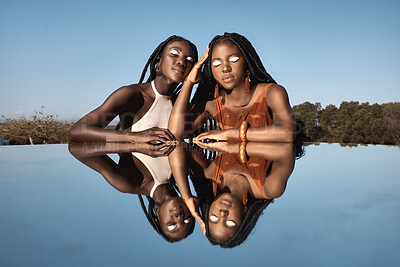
(236,186)
(167,212)
(237,92)
(143,108)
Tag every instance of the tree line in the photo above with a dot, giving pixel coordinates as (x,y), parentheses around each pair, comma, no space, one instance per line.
(352,122)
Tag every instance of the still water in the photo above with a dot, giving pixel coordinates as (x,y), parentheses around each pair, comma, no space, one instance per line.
(341,207)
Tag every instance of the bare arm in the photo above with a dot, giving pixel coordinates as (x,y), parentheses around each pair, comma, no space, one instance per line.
(181,120)
(90,128)
(282,129)
(178,162)
(94,156)
(263,150)
(283,157)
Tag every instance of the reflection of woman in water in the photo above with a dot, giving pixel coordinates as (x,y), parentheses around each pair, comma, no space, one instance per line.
(237,186)
(236,91)
(167,212)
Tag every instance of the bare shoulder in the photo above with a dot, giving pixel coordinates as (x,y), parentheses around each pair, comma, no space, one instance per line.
(122,99)
(277,90)
(210,107)
(129,90)
(277,96)
(127,93)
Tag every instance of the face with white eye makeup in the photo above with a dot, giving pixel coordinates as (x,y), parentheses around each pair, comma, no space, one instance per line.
(176,61)
(228,65)
(175,218)
(225,217)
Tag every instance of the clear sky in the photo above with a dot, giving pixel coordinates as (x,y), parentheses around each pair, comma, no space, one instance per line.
(70,55)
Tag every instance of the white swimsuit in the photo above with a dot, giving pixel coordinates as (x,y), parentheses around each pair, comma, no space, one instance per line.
(156,116)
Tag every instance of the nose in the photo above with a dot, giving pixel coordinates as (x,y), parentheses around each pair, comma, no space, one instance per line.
(224,212)
(178,215)
(226,68)
(181,61)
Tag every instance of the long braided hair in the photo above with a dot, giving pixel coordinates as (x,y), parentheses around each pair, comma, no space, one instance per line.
(151,217)
(155,58)
(151,68)
(258,74)
(255,208)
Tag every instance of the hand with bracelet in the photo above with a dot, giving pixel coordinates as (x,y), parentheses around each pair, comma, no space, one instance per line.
(225,135)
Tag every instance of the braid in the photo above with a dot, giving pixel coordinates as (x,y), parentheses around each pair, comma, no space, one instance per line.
(155,57)
(258,74)
(249,221)
(255,208)
(157,53)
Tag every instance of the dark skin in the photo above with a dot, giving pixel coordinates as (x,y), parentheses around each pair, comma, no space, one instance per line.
(229,70)
(131,102)
(226,211)
(129,175)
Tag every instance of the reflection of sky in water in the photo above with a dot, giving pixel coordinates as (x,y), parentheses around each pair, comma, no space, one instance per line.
(341,208)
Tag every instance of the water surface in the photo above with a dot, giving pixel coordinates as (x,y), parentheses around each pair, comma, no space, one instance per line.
(341,208)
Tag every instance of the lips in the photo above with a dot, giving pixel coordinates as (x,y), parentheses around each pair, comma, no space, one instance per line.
(227,78)
(225,203)
(179,70)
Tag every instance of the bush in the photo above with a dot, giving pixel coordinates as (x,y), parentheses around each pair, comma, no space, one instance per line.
(39,128)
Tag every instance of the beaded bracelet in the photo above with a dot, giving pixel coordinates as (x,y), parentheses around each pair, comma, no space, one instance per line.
(243,131)
(242,152)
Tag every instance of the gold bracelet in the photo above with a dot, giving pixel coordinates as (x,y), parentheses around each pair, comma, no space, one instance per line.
(242,152)
(243,131)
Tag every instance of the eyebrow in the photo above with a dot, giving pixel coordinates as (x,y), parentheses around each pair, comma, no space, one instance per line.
(176,48)
(180,50)
(234,54)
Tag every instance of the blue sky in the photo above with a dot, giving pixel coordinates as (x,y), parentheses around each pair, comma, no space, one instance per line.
(70,55)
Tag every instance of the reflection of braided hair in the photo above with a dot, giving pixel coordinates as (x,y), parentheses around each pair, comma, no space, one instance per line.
(300,138)
(258,74)
(255,207)
(151,217)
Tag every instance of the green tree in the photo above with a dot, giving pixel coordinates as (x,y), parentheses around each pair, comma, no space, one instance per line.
(310,114)
(329,123)
(391,116)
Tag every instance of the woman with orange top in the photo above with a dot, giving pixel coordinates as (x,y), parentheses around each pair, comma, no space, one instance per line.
(248,105)
(237,92)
